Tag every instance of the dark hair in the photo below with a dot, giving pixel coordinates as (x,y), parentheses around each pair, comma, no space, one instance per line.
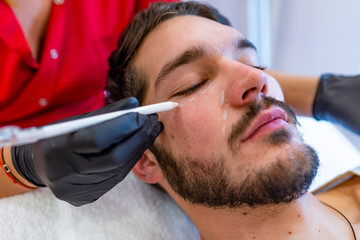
(124,81)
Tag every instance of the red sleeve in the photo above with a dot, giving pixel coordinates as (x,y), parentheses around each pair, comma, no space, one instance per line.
(141,4)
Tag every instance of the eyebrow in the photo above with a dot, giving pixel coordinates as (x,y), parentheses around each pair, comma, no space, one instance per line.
(244,43)
(193,54)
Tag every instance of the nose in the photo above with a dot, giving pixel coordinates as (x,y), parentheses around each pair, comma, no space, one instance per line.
(248,83)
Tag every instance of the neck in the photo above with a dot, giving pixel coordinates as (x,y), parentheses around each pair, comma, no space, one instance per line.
(33,16)
(304,218)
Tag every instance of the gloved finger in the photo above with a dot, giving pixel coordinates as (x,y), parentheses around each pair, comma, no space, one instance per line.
(91,177)
(122,153)
(81,194)
(96,138)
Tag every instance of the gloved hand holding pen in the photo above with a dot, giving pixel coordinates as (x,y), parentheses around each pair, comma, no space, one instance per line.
(82,166)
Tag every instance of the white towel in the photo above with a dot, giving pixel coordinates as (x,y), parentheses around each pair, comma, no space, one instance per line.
(132,210)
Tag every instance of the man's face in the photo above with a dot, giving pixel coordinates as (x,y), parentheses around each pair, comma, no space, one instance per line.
(226,132)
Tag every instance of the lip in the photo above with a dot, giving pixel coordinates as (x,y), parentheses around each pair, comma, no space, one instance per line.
(265,123)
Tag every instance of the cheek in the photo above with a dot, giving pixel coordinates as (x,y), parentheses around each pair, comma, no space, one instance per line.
(274,89)
(189,129)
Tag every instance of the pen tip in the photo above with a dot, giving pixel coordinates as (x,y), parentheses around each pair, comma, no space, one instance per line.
(175,104)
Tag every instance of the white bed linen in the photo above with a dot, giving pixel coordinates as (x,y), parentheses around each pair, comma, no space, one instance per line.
(132,210)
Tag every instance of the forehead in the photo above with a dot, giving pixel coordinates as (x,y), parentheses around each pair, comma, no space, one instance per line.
(177,35)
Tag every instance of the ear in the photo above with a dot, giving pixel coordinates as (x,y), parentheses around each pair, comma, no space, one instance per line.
(147,168)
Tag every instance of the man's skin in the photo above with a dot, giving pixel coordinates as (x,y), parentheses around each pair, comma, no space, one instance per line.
(228,81)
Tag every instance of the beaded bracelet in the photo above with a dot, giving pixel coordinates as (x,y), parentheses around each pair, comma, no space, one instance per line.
(8,172)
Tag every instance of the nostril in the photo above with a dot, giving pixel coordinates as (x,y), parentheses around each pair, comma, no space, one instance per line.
(246,93)
(264,90)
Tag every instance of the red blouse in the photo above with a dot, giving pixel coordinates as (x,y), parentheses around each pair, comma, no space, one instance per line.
(70,77)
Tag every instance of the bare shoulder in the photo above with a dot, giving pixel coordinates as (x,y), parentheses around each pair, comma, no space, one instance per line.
(346,199)
(357,229)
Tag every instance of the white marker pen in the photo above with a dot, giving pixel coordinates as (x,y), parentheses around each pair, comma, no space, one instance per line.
(16,136)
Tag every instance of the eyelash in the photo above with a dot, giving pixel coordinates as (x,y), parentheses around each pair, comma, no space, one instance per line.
(260,67)
(192,89)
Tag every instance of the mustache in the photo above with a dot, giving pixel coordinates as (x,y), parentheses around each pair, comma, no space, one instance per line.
(253,110)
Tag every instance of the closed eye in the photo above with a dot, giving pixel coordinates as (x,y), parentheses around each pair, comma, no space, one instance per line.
(191,89)
(197,86)
(262,68)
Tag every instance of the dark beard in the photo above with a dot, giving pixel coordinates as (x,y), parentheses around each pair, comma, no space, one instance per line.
(207,182)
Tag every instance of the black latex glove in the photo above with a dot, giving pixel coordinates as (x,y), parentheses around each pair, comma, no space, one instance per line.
(337,100)
(82,166)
